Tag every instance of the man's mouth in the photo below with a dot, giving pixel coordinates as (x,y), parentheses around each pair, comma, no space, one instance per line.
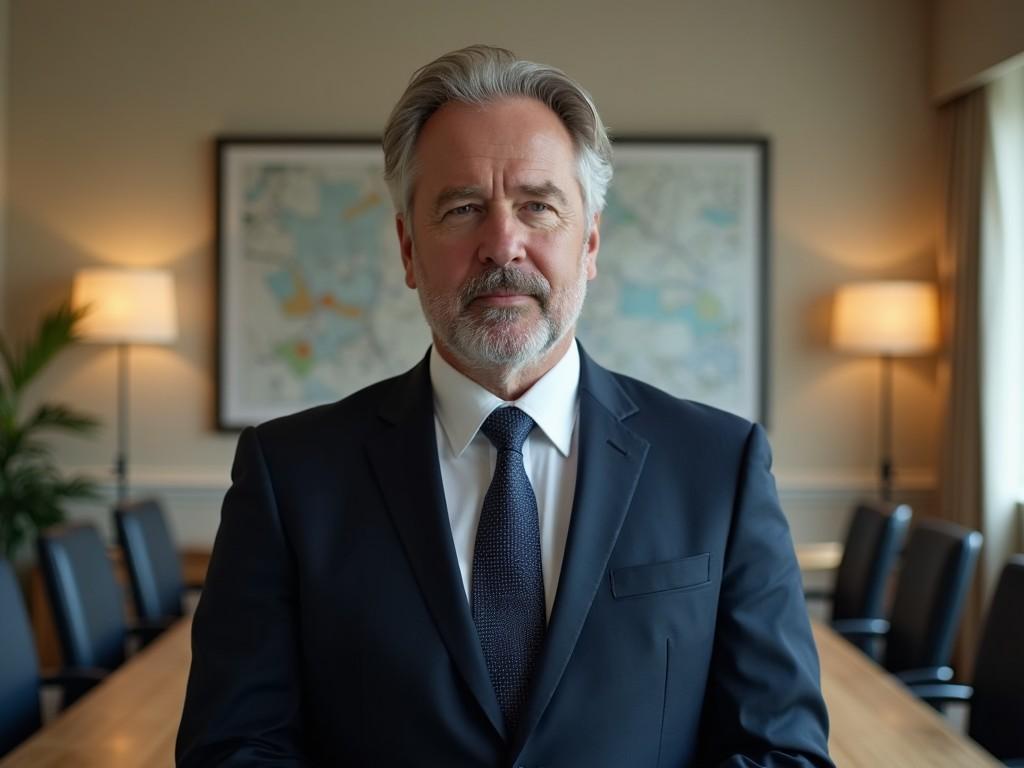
(503,298)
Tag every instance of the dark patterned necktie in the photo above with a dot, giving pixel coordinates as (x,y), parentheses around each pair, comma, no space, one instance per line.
(508,581)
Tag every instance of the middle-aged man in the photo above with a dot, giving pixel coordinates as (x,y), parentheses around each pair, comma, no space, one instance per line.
(507,556)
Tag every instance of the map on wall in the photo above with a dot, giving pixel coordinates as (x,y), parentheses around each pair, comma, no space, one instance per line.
(313,300)
(678,299)
(313,305)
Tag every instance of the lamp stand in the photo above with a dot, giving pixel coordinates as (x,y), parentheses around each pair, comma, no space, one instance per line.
(885,431)
(121,460)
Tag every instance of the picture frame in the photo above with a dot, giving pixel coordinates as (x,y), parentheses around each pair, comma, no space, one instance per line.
(311,299)
(684,266)
(312,304)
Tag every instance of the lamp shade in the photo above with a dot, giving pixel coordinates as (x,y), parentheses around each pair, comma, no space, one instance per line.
(130,306)
(898,317)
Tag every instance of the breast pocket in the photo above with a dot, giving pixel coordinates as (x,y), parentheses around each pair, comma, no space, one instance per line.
(668,576)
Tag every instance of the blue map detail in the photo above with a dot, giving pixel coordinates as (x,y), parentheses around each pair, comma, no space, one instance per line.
(720,217)
(282,285)
(335,278)
(644,301)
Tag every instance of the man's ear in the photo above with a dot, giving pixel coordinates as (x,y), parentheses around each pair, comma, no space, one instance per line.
(405,244)
(591,247)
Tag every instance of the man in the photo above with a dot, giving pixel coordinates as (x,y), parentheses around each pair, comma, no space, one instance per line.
(507,556)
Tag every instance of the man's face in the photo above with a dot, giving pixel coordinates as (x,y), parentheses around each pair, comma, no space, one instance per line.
(496,242)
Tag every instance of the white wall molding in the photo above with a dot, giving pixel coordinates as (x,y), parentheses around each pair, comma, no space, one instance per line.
(153,479)
(817,504)
(799,483)
(853,481)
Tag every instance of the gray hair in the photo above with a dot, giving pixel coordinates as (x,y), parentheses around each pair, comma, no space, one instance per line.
(480,74)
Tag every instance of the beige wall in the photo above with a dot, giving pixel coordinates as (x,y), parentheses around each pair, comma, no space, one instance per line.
(4,48)
(971,40)
(113,106)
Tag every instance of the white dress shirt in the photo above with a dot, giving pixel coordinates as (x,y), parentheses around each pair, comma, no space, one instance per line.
(467,457)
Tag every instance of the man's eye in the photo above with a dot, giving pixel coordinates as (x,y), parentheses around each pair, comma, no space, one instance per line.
(535,207)
(462,210)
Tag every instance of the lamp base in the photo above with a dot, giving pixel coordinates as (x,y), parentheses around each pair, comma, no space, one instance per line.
(885,474)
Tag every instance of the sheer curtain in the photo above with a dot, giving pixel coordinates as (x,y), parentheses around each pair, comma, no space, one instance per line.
(964,128)
(1002,321)
(981,274)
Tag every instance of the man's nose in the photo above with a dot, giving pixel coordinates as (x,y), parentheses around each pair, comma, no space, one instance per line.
(501,238)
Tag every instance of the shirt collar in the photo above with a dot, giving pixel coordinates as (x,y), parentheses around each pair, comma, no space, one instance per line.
(462,405)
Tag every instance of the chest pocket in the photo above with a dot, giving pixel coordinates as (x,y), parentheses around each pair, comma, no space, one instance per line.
(668,576)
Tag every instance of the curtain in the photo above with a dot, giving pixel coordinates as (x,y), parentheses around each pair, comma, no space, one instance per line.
(1002,322)
(981,282)
(963,128)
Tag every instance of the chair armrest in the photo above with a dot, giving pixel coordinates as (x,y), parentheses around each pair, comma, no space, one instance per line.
(861,627)
(147,631)
(925,675)
(74,675)
(942,694)
(819,594)
(75,682)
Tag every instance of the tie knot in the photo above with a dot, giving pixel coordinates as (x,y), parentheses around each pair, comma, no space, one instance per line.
(507,428)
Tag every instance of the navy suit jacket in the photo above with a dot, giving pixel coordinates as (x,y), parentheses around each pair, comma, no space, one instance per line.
(334,628)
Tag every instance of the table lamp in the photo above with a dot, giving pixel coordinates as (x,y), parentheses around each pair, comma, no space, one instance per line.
(125,307)
(888,319)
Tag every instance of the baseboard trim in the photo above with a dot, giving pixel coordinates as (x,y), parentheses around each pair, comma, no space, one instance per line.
(829,482)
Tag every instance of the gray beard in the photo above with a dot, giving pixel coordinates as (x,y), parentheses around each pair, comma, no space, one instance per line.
(494,337)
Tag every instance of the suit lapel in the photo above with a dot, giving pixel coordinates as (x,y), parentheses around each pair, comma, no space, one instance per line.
(404,459)
(611,458)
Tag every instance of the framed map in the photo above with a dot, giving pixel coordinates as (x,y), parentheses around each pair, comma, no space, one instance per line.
(312,301)
(681,295)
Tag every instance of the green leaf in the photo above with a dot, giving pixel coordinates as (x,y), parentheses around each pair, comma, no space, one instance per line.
(8,358)
(33,490)
(56,331)
(59,417)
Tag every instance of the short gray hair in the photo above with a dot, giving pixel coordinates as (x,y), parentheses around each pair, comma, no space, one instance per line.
(480,74)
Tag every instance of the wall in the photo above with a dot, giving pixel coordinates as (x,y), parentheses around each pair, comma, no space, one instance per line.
(4,15)
(113,106)
(971,40)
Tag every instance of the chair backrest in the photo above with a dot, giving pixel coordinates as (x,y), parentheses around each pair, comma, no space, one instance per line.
(937,569)
(19,666)
(152,558)
(85,598)
(997,707)
(873,541)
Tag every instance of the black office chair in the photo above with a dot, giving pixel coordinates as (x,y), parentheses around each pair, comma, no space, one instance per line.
(86,601)
(20,680)
(997,697)
(19,667)
(152,559)
(937,569)
(873,540)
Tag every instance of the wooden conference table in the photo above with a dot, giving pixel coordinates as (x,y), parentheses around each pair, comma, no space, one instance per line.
(130,721)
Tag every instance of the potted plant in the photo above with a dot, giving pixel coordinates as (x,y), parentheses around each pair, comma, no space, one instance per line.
(32,488)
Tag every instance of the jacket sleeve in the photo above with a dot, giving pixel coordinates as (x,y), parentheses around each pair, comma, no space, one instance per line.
(243,703)
(763,703)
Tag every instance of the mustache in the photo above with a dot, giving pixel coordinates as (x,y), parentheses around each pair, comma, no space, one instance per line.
(505,279)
